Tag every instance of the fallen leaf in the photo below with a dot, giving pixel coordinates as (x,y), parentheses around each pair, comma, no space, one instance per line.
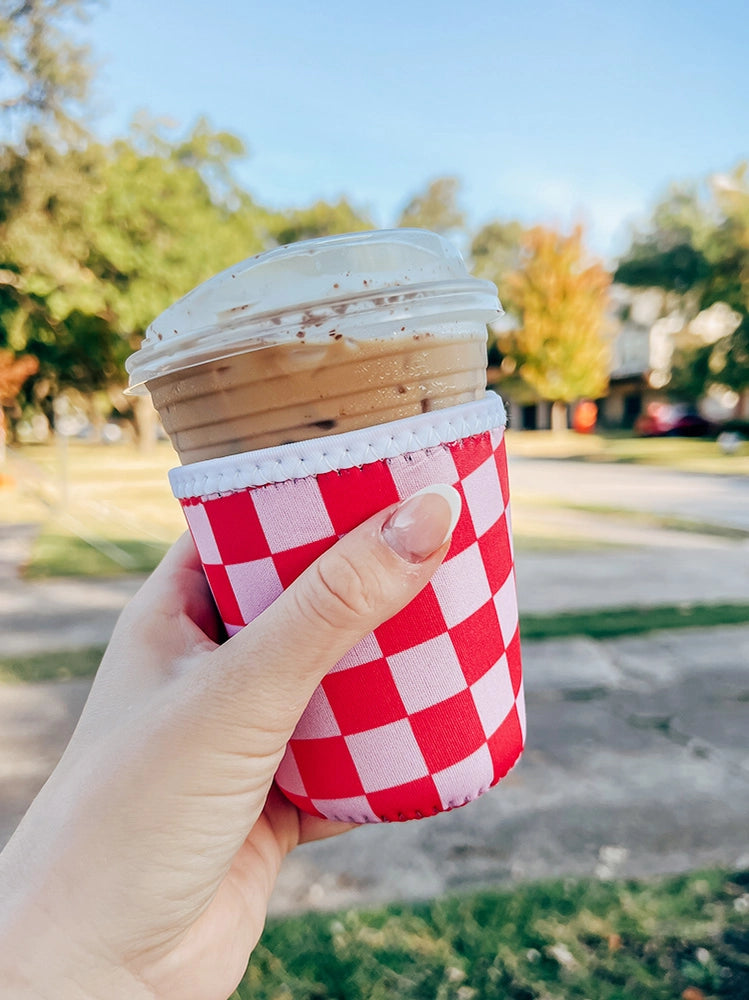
(615,942)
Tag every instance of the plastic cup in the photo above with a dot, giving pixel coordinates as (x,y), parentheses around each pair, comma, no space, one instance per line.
(317,338)
(304,390)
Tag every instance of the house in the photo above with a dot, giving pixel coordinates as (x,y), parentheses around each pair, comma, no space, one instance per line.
(645,327)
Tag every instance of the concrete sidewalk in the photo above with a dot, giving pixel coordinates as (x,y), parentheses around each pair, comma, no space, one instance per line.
(637,566)
(637,764)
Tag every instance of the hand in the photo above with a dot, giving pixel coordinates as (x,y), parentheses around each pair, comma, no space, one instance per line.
(145,865)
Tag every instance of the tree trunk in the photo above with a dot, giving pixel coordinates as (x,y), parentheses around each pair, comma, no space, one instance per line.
(742,405)
(558,416)
(146,421)
(96,418)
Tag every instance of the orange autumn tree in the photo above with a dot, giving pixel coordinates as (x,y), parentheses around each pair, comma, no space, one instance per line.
(560,298)
(14,370)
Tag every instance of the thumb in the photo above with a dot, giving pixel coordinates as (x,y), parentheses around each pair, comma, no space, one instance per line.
(271,668)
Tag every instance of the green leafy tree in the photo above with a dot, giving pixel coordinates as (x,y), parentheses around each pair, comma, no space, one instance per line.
(160,222)
(101,239)
(670,254)
(44,75)
(436,208)
(496,251)
(44,81)
(320,219)
(730,362)
(43,247)
(690,372)
(560,297)
(697,251)
(727,244)
(165,218)
(42,256)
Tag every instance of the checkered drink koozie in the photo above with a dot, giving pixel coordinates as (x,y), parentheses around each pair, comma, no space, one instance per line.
(426,712)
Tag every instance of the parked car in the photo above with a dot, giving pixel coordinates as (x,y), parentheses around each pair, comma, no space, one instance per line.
(674,419)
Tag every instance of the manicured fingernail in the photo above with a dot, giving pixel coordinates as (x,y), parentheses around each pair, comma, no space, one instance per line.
(423,523)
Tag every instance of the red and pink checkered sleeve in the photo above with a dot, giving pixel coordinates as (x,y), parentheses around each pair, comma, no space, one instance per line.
(427,712)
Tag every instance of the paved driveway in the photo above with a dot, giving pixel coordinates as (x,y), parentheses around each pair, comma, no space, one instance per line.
(722,500)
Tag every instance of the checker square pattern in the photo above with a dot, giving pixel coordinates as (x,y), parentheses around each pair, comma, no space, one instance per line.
(426,713)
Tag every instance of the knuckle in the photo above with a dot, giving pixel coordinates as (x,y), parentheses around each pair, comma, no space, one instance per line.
(339,590)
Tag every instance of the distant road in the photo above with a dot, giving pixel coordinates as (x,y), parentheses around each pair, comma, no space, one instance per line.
(719,500)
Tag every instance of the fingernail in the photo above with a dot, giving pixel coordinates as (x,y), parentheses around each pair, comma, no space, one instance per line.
(423,523)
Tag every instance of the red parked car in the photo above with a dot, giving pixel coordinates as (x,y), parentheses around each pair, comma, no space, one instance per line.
(674,419)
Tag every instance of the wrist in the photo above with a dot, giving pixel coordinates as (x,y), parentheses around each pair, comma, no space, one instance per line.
(50,949)
(43,958)
(59,972)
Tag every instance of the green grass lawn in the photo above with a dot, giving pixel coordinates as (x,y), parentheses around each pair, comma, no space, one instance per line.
(109,509)
(562,940)
(63,665)
(687,454)
(101,510)
(650,519)
(598,623)
(610,623)
(55,554)
(112,491)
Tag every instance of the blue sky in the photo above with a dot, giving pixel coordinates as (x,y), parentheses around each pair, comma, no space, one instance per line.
(547,111)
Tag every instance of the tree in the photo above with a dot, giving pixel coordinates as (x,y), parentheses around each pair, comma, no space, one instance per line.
(560,297)
(42,257)
(100,239)
(160,223)
(45,76)
(674,252)
(727,245)
(697,251)
(495,252)
(435,208)
(730,364)
(320,219)
(690,372)
(42,246)
(13,373)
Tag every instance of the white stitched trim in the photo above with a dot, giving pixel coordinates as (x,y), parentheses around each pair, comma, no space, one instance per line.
(337,451)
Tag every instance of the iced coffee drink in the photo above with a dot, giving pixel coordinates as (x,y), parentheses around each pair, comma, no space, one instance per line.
(317,338)
(307,390)
(293,392)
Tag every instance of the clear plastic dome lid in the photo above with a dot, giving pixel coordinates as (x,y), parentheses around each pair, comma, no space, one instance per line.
(360,284)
